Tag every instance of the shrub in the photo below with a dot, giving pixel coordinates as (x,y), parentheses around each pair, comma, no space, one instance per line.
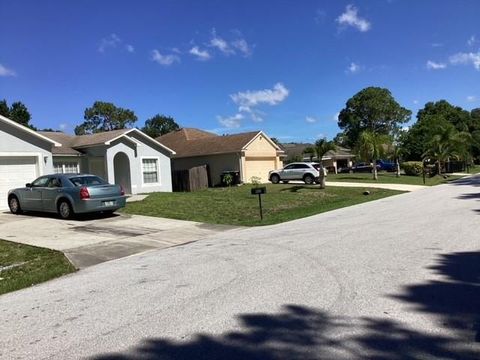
(413,168)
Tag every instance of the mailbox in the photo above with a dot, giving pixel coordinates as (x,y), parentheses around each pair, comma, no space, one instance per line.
(259,190)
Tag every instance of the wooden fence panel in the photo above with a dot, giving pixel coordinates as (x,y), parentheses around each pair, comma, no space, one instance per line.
(193,179)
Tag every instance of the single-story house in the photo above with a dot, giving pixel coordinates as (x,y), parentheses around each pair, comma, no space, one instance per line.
(252,154)
(127,157)
(332,160)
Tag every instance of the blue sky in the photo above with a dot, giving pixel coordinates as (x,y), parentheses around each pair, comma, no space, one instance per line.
(285,67)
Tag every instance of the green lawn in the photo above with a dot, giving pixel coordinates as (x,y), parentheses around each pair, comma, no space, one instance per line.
(390,178)
(35,265)
(475,169)
(236,206)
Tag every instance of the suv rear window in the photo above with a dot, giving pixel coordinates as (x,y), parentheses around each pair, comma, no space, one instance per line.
(316,166)
(87,181)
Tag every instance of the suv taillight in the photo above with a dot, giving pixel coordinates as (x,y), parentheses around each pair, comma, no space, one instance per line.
(122,190)
(84,194)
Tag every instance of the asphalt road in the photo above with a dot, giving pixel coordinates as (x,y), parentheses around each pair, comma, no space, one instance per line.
(398,278)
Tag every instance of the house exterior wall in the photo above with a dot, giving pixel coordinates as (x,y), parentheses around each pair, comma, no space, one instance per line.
(135,157)
(216,164)
(15,142)
(260,156)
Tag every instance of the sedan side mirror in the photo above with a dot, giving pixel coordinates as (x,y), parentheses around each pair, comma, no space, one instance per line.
(28,185)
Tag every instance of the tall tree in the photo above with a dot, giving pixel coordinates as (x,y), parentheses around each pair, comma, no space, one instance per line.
(432,120)
(371,146)
(17,112)
(321,147)
(104,116)
(4,109)
(372,109)
(160,125)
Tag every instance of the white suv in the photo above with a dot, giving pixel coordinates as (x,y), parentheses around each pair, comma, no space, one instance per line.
(305,171)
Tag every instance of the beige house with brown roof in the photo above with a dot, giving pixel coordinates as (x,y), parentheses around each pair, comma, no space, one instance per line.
(252,154)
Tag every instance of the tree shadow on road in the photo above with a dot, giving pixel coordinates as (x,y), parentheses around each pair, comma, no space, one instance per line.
(299,332)
(470,180)
(455,298)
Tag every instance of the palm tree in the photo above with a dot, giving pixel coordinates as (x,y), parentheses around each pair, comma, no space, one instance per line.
(446,144)
(371,146)
(310,151)
(322,146)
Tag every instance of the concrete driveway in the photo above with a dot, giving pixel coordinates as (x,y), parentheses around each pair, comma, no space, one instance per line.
(95,238)
(397,278)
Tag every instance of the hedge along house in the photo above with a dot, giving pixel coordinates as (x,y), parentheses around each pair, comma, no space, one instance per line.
(127,157)
(251,154)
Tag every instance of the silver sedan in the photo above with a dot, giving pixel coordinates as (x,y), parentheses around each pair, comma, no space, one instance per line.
(67,194)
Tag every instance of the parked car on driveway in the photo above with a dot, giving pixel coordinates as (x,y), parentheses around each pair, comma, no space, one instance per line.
(67,194)
(304,171)
(363,167)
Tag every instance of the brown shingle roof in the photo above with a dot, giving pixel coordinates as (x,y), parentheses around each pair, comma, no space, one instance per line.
(193,142)
(62,138)
(98,138)
(69,142)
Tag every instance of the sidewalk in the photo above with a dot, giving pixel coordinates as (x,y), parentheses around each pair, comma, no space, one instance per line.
(399,187)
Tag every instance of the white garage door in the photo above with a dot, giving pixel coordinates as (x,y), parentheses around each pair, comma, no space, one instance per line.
(15,172)
(258,167)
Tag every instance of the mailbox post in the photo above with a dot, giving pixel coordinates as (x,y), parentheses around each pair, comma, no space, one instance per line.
(259,191)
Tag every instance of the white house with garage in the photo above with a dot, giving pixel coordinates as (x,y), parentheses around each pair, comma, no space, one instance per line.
(127,157)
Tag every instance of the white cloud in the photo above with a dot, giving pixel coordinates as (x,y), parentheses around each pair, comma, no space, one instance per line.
(465,59)
(63,126)
(130,48)
(415,101)
(437,44)
(231,122)
(310,120)
(4,71)
(353,68)
(350,18)
(471,40)
(335,117)
(432,65)
(248,99)
(201,55)
(471,98)
(165,60)
(237,46)
(111,41)
(242,46)
(220,44)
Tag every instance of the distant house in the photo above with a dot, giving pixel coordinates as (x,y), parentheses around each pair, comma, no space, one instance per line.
(250,154)
(333,160)
(127,157)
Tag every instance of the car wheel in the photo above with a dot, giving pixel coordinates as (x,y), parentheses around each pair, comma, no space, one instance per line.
(308,179)
(14,205)
(275,179)
(65,209)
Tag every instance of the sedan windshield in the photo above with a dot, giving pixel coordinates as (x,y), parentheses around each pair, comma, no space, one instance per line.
(87,181)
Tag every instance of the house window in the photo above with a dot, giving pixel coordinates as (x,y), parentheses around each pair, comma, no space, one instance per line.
(66,168)
(150,171)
